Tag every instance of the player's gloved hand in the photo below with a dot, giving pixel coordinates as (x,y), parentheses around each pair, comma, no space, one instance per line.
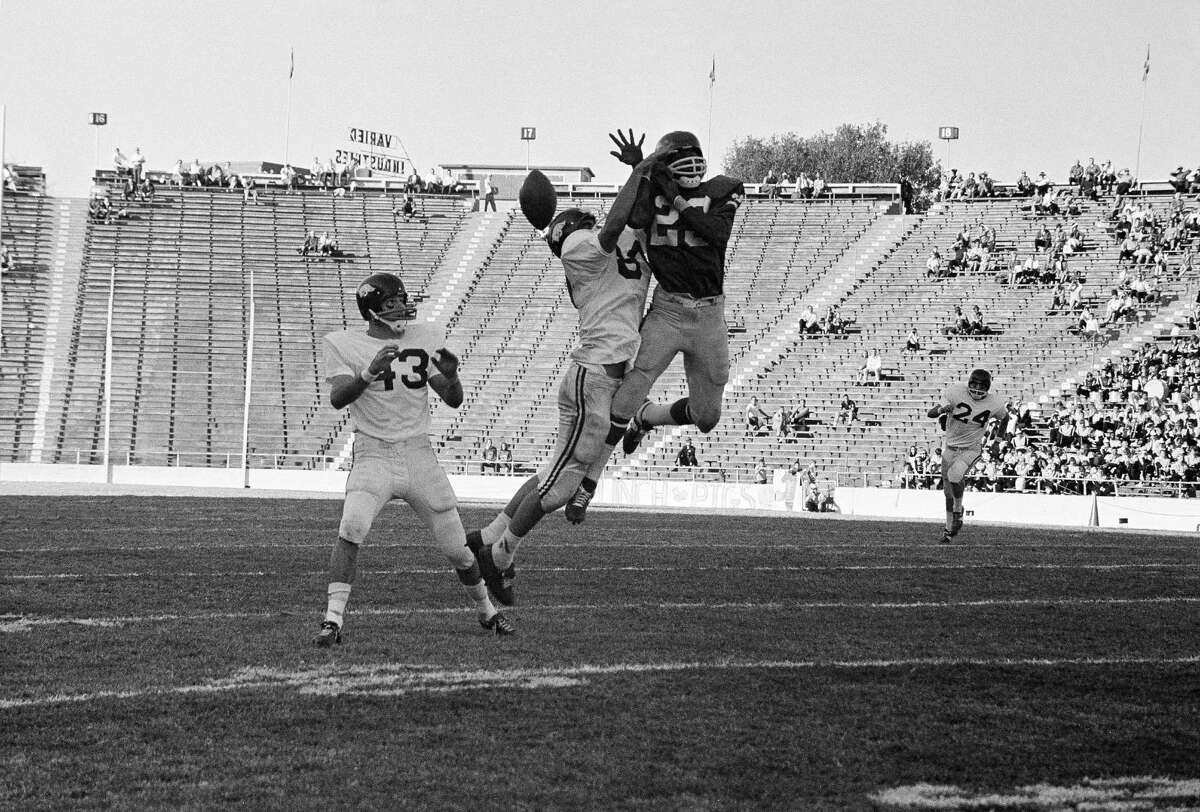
(383,359)
(446,362)
(627,152)
(662,178)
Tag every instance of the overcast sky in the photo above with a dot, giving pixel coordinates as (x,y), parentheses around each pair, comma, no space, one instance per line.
(1031,85)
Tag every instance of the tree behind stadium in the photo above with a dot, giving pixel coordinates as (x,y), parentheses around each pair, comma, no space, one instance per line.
(853,153)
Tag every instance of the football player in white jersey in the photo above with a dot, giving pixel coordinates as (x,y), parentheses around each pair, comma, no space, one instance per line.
(383,375)
(607,278)
(964,413)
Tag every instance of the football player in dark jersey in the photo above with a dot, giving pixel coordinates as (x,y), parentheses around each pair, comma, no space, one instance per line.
(689,222)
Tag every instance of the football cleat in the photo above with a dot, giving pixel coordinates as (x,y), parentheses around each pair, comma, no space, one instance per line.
(947,537)
(475,542)
(635,432)
(498,624)
(330,635)
(956,522)
(576,509)
(498,583)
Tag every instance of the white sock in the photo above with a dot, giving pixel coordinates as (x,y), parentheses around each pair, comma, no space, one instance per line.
(505,550)
(339,593)
(479,596)
(492,533)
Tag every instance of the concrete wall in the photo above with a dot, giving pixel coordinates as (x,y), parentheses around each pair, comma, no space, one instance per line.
(1066,511)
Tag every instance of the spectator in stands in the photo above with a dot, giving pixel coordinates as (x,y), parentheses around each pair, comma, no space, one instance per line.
(195,174)
(10,178)
(810,322)
(762,474)
(799,418)
(120,162)
(489,193)
(434,185)
(686,458)
(959,323)
(7,260)
(819,186)
(975,323)
(871,368)
(287,178)
(1042,240)
(770,184)
(906,194)
(913,342)
(146,189)
(408,209)
(128,190)
(1125,181)
(137,165)
(834,322)
(328,246)
(1043,184)
(1025,186)
(933,265)
(506,458)
(490,456)
(804,187)
(758,422)
(780,421)
(311,244)
(249,190)
(847,410)
(177,174)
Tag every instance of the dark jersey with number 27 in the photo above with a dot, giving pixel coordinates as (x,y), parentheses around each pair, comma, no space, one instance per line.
(687,250)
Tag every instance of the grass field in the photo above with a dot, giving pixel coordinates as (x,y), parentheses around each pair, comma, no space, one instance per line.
(154,653)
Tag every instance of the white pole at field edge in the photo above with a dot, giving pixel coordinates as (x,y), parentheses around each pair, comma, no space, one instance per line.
(108,362)
(249,380)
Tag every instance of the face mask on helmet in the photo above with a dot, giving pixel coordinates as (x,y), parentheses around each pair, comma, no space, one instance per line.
(382,298)
(979,384)
(683,158)
(564,225)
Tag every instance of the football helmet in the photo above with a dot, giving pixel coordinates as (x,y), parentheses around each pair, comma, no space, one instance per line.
(979,384)
(385,290)
(683,156)
(566,223)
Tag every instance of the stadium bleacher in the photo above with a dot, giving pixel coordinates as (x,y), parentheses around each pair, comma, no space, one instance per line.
(180,267)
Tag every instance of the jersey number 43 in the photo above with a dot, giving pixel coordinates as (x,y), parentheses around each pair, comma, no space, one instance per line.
(414,370)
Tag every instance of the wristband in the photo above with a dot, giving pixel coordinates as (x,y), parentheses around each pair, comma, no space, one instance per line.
(366,376)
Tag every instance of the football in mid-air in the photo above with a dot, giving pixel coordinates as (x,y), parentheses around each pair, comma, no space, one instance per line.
(538,199)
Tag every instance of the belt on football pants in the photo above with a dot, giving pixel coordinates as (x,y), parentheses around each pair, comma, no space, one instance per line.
(689,301)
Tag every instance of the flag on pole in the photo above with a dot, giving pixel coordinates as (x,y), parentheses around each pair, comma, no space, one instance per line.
(712,74)
(292,69)
(1146,67)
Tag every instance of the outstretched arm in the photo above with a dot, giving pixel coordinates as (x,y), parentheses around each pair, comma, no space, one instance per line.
(622,207)
(446,382)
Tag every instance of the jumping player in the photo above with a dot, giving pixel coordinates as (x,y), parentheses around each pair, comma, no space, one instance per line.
(689,230)
(607,279)
(964,413)
(383,375)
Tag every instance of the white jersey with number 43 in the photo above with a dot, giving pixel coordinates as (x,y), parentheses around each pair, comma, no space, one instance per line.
(968,417)
(395,406)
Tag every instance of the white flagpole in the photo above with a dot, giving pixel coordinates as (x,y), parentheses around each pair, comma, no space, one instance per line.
(249,381)
(1137,167)
(287,127)
(712,81)
(108,363)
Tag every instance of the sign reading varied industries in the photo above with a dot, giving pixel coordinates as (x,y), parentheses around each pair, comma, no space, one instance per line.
(370,150)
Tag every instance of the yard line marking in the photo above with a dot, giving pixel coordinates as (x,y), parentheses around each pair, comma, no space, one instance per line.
(390,679)
(860,546)
(20,623)
(627,568)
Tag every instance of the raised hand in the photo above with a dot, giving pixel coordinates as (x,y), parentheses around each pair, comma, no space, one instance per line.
(446,362)
(627,152)
(383,359)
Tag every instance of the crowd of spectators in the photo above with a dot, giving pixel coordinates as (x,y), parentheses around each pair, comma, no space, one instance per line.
(834,322)
(1135,419)
(786,421)
(972,251)
(496,460)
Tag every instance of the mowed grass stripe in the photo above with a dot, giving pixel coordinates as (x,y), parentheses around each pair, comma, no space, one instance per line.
(17,623)
(621,669)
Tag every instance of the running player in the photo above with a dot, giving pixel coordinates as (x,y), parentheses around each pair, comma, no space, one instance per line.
(607,279)
(964,414)
(688,233)
(383,375)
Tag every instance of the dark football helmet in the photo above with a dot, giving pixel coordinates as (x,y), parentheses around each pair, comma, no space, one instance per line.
(979,384)
(566,223)
(382,297)
(683,156)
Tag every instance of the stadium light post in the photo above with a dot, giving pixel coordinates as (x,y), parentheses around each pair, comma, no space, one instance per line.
(948,134)
(98,120)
